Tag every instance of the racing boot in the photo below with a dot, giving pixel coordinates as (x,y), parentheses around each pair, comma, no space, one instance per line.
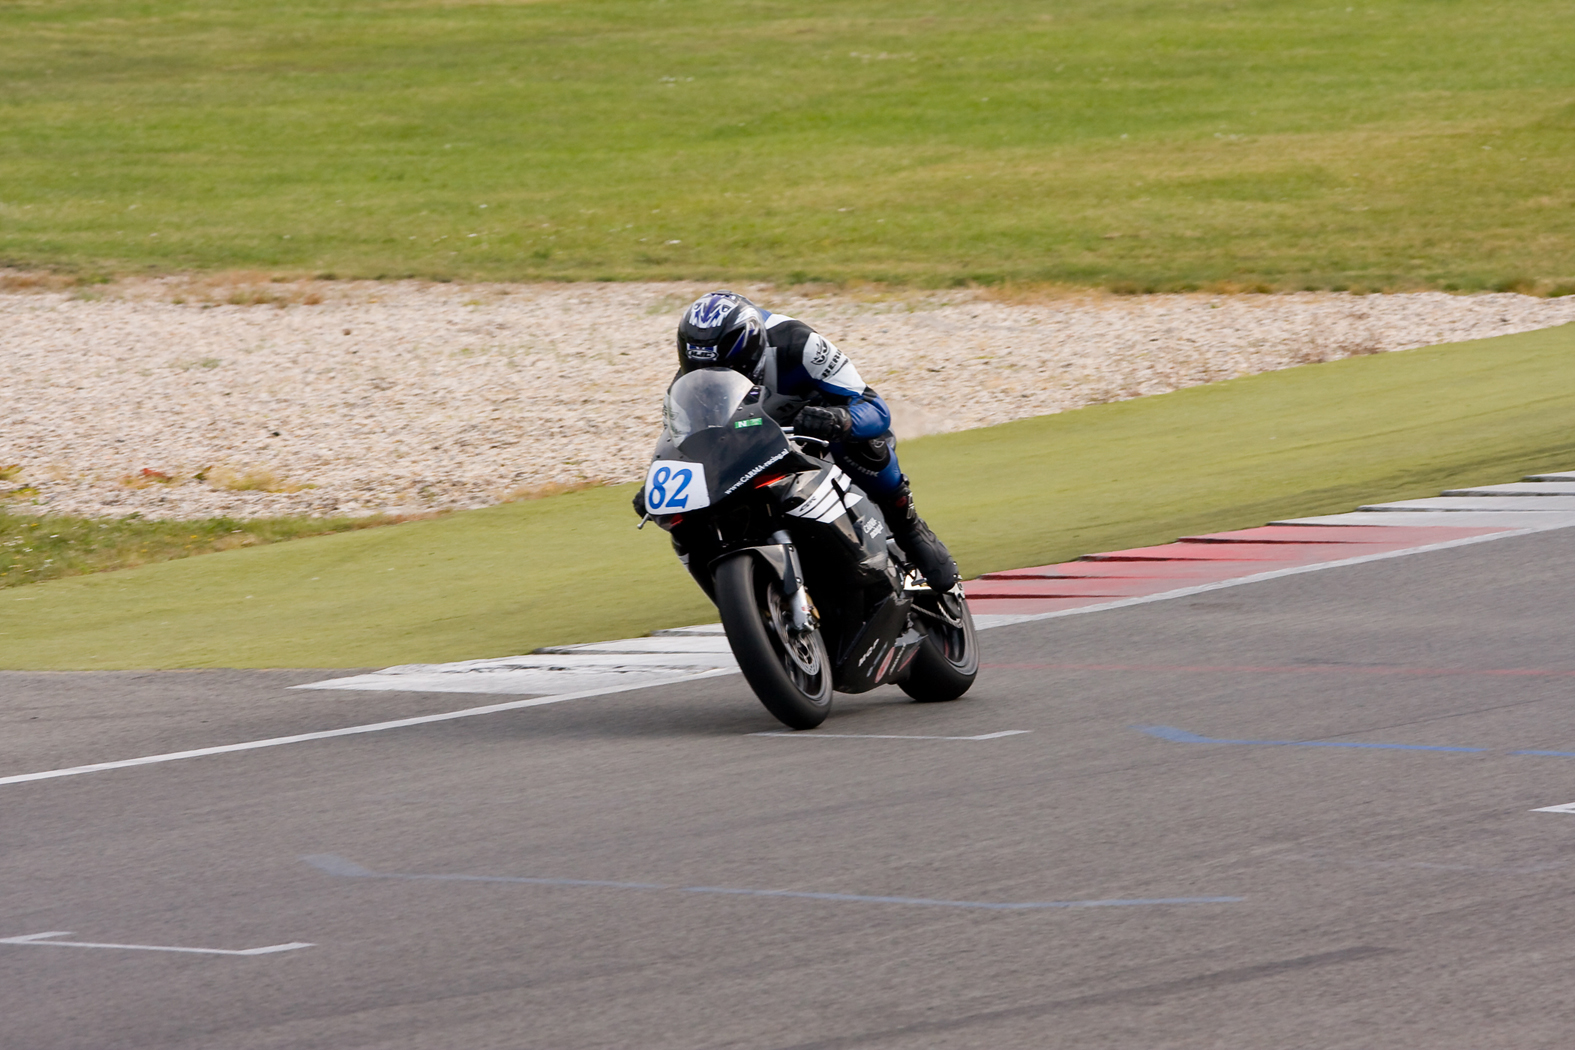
(917,540)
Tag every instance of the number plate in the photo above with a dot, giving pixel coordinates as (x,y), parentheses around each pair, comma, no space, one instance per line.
(673,486)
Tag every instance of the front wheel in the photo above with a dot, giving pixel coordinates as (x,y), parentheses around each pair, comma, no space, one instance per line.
(789,671)
(948,658)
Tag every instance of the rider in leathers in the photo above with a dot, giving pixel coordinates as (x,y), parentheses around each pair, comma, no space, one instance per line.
(810,385)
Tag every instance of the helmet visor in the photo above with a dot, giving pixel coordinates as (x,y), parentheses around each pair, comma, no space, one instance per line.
(729,348)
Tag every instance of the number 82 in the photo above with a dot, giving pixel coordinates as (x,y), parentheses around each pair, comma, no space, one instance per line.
(659,496)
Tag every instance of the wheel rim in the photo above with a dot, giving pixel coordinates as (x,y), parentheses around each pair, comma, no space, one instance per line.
(954,632)
(802,654)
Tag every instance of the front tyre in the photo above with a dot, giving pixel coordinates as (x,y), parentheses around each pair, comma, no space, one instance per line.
(790,672)
(948,658)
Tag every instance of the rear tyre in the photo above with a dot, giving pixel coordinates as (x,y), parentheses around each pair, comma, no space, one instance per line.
(790,672)
(948,658)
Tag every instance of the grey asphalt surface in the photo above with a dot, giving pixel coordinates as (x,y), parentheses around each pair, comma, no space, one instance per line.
(1388,898)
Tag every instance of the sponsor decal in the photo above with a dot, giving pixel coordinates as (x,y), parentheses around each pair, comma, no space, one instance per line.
(701,353)
(753,471)
(873,646)
(871,527)
(834,368)
(742,423)
(881,671)
(821,348)
(822,505)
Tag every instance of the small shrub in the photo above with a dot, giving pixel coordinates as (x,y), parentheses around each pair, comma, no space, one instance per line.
(261,480)
(255,297)
(551,488)
(145,477)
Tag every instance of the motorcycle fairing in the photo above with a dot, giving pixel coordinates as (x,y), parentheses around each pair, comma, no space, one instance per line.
(828,501)
(882,651)
(732,456)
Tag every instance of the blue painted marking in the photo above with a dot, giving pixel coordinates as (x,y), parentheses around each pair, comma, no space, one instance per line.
(335,865)
(994,906)
(1181,736)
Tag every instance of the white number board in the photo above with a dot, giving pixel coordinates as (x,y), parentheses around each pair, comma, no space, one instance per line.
(673,486)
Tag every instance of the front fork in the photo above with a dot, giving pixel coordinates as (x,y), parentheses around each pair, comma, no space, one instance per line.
(782,557)
(800,612)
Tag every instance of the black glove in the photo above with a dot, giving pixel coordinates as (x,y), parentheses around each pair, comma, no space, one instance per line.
(639,501)
(827,423)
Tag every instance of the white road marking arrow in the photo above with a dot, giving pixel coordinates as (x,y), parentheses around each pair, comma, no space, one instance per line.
(41,940)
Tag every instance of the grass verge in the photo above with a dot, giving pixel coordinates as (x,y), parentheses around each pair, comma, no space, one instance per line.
(33,549)
(1124,143)
(504,580)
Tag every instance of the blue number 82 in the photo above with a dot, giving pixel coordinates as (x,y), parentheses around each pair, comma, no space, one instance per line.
(658,495)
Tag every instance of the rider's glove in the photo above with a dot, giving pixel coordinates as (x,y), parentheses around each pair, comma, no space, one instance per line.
(639,501)
(827,423)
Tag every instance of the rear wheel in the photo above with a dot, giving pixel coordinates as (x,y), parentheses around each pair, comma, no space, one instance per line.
(789,671)
(948,658)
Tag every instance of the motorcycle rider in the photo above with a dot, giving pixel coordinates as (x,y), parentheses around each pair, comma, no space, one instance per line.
(810,385)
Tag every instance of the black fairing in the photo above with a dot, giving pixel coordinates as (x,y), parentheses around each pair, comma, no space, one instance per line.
(881,648)
(734,456)
(757,481)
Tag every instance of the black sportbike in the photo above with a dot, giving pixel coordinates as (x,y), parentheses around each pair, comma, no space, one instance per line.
(813,592)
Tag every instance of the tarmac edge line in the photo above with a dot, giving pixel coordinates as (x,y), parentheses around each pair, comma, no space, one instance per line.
(1002,620)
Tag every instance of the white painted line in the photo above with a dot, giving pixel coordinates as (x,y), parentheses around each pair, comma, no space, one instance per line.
(446,679)
(1005,619)
(1568,807)
(39,940)
(687,644)
(588,668)
(1455,519)
(699,628)
(811,735)
(1479,504)
(375,727)
(1517,488)
(540,674)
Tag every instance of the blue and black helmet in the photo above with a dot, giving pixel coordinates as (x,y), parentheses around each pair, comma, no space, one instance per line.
(721,328)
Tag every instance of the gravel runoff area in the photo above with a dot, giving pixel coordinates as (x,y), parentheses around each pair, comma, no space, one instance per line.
(184,397)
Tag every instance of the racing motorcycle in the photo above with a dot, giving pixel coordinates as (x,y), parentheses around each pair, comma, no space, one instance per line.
(813,592)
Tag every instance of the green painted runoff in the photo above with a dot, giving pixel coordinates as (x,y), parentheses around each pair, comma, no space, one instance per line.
(571,568)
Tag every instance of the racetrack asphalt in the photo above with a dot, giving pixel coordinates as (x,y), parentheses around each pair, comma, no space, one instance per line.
(1398,895)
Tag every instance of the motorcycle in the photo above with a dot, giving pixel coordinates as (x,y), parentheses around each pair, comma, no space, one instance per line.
(814,593)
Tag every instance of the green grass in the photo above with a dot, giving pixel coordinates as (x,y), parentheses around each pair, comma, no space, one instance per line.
(1320,438)
(35,549)
(1126,143)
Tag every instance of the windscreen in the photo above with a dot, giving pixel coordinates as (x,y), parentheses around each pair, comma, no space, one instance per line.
(706,397)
